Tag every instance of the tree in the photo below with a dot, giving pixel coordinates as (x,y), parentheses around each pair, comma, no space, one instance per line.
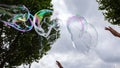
(111,10)
(18,48)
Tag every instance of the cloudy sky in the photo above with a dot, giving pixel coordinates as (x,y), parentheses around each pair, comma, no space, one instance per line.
(105,54)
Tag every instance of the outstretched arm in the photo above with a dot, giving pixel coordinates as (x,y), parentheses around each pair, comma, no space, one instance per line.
(114,32)
(59,64)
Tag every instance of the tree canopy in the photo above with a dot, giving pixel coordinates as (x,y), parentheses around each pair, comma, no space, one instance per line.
(111,10)
(18,48)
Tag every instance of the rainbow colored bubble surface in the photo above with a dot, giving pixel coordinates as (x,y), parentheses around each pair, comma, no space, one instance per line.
(20,18)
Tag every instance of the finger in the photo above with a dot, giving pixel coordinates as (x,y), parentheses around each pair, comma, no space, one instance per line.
(106,28)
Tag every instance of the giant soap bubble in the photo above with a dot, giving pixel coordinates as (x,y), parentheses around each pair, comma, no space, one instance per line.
(21,19)
(17,17)
(83,35)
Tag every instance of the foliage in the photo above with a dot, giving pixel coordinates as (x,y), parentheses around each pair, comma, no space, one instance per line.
(111,10)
